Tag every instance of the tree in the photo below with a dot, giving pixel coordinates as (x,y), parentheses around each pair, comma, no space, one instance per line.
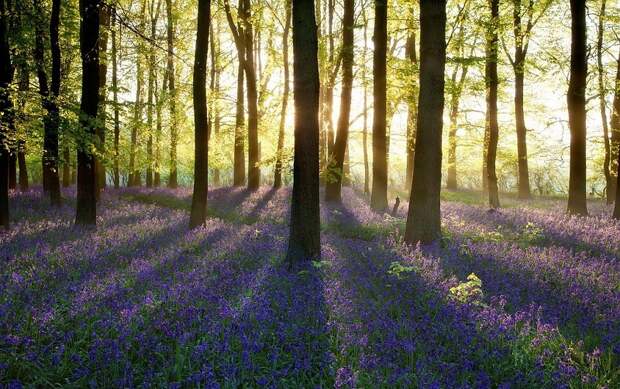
(250,73)
(492,83)
(336,160)
(154,15)
(174,134)
(135,177)
(49,95)
(305,225)
(378,199)
(104,19)
(616,214)
(86,208)
(6,106)
(277,179)
(609,184)
(412,114)
(424,216)
(198,214)
(117,124)
(576,98)
(615,131)
(239,149)
(365,130)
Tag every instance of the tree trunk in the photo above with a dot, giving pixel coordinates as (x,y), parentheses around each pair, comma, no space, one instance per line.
(24,86)
(615,133)
(117,124)
(158,133)
(51,120)
(173,179)
(198,214)
(305,226)
(424,217)
(577,109)
(214,117)
(336,160)
(86,209)
(365,130)
(615,140)
(250,73)
(277,179)
(6,106)
(66,167)
(378,200)
(412,113)
(104,19)
(492,86)
(609,184)
(151,94)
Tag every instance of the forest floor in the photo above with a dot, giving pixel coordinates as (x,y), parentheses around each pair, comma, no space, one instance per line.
(521,297)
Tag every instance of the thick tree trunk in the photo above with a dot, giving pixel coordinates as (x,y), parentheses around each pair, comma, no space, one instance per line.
(492,86)
(250,73)
(524,176)
(424,217)
(305,227)
(173,179)
(277,179)
(336,160)
(198,214)
(577,109)
(49,95)
(86,209)
(117,124)
(6,106)
(412,113)
(378,199)
(104,19)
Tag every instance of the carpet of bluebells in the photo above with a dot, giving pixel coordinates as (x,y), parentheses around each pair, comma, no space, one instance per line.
(522,297)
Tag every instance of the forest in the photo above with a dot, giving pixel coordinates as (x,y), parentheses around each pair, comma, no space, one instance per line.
(310,193)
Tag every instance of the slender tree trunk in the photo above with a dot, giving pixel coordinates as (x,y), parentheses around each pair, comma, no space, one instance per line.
(104,19)
(6,106)
(336,164)
(158,133)
(214,117)
(454,112)
(173,179)
(615,139)
(117,124)
(277,179)
(24,86)
(365,130)
(151,93)
(51,121)
(609,184)
(66,167)
(250,73)
(12,167)
(305,227)
(198,214)
(86,210)
(412,113)
(577,109)
(378,200)
(492,86)
(424,217)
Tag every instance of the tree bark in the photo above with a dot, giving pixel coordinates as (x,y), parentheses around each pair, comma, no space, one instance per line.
(24,86)
(492,83)
(117,125)
(378,199)
(424,216)
(198,214)
(609,184)
(252,95)
(154,13)
(615,137)
(412,113)
(336,160)
(6,106)
(365,130)
(577,109)
(86,209)
(66,167)
(305,226)
(173,179)
(49,94)
(215,116)
(277,179)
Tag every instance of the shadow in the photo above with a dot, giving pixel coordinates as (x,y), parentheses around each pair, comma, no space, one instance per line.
(262,203)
